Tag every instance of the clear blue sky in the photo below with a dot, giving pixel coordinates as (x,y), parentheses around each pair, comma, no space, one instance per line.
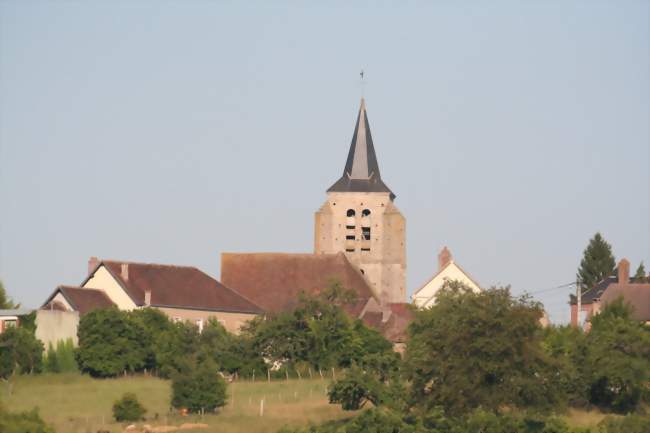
(172,131)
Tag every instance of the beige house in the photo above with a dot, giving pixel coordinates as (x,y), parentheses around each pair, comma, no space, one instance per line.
(448,270)
(184,293)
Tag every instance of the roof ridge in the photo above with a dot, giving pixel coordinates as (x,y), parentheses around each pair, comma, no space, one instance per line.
(162,265)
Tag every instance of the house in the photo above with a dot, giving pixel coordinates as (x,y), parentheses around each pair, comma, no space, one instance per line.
(448,270)
(184,293)
(11,318)
(634,293)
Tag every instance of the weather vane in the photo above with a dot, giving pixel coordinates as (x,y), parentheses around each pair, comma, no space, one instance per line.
(362,83)
(361,74)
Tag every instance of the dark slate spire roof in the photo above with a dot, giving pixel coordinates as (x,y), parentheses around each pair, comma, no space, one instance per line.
(361,173)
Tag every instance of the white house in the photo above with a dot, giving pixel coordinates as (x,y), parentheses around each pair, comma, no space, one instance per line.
(448,270)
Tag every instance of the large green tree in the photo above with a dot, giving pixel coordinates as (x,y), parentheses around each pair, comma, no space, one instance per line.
(6,303)
(111,342)
(20,352)
(618,359)
(484,349)
(597,262)
(640,275)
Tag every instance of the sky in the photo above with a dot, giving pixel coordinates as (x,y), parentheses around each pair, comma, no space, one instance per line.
(173,131)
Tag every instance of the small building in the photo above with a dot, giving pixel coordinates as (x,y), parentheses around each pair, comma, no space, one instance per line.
(634,293)
(11,318)
(184,293)
(448,270)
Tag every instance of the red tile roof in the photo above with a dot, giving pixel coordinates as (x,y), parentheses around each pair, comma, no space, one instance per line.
(635,294)
(80,299)
(397,319)
(274,281)
(177,287)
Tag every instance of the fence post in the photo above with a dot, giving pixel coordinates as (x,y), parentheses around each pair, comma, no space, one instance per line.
(253,375)
(268,374)
(262,407)
(333,374)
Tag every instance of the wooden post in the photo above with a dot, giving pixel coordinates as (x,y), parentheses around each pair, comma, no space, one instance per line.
(262,407)
(253,375)
(333,374)
(310,376)
(299,376)
(268,375)
(320,372)
(286,371)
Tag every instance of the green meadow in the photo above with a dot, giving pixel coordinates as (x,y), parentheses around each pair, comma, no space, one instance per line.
(73,403)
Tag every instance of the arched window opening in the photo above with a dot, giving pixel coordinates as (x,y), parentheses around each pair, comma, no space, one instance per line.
(365,213)
(351,223)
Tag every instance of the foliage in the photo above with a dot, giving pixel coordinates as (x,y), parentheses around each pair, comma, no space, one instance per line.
(356,389)
(60,359)
(231,353)
(640,274)
(6,303)
(380,420)
(618,359)
(627,424)
(474,350)
(20,352)
(24,422)
(198,387)
(597,263)
(128,408)
(111,342)
(319,333)
(567,345)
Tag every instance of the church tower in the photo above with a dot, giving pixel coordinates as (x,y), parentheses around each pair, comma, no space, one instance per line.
(360,219)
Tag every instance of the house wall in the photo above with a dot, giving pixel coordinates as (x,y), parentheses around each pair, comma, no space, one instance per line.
(53,326)
(231,321)
(103,280)
(384,265)
(425,297)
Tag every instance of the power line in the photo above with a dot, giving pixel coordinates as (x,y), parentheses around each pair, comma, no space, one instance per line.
(549,289)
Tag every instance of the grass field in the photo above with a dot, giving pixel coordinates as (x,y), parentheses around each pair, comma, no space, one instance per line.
(78,404)
(73,403)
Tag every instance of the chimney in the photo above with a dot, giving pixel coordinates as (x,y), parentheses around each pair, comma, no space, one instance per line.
(125,271)
(623,271)
(92,264)
(444,258)
(147,298)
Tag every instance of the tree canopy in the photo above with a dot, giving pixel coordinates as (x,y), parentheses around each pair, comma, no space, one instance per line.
(474,350)
(597,262)
(6,303)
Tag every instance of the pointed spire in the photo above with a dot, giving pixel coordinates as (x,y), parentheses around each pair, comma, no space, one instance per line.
(361,173)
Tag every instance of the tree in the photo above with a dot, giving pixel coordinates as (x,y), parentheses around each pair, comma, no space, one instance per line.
(111,343)
(640,275)
(20,352)
(128,408)
(198,387)
(22,422)
(474,350)
(6,303)
(231,353)
(597,263)
(618,359)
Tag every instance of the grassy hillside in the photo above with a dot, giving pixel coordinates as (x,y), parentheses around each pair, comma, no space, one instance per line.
(78,404)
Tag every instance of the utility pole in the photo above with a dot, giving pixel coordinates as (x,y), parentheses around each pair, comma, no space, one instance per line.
(579,301)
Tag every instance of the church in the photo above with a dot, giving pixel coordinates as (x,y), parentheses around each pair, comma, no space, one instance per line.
(359,241)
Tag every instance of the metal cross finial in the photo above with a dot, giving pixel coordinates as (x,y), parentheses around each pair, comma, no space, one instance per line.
(361,74)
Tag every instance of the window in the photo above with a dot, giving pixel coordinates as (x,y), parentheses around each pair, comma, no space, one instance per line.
(365,233)
(350,237)
(365,249)
(351,213)
(349,250)
(365,213)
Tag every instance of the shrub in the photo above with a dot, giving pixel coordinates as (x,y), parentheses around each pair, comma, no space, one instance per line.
(128,408)
(111,342)
(60,359)
(198,387)
(20,352)
(23,422)
(628,424)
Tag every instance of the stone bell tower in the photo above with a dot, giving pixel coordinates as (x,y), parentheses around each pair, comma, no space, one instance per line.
(360,219)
